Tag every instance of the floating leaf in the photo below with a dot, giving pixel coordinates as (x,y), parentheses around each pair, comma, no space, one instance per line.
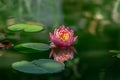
(16,27)
(40,66)
(49,65)
(25,27)
(27,67)
(32,47)
(118,55)
(115,51)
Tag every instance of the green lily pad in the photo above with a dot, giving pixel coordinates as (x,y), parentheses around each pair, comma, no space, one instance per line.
(31,47)
(27,67)
(115,51)
(41,66)
(49,65)
(118,55)
(26,27)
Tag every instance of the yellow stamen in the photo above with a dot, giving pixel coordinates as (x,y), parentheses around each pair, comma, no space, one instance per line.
(64,36)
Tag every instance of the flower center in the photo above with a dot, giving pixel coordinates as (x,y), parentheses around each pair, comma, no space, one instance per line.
(64,36)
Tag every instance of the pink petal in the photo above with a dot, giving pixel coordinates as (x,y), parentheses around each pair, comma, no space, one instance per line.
(75,38)
(52,45)
(51,36)
(51,53)
(55,31)
(62,27)
(55,38)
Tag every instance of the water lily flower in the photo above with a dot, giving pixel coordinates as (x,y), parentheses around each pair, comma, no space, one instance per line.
(63,37)
(62,54)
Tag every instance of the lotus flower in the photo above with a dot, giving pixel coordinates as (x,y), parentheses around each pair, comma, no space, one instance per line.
(62,54)
(63,37)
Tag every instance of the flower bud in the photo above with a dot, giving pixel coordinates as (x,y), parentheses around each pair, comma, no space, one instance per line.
(63,37)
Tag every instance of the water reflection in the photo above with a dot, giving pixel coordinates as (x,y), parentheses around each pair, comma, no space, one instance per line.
(62,54)
(6,45)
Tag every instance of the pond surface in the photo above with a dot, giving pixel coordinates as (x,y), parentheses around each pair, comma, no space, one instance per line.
(94,65)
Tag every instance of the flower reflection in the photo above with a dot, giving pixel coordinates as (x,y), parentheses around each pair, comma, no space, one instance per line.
(5,45)
(61,43)
(62,54)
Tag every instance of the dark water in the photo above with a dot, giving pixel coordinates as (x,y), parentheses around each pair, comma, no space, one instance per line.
(90,65)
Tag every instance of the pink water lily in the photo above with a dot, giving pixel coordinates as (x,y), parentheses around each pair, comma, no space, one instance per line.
(63,37)
(62,54)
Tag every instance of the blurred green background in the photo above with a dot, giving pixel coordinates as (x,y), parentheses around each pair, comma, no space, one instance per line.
(96,22)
